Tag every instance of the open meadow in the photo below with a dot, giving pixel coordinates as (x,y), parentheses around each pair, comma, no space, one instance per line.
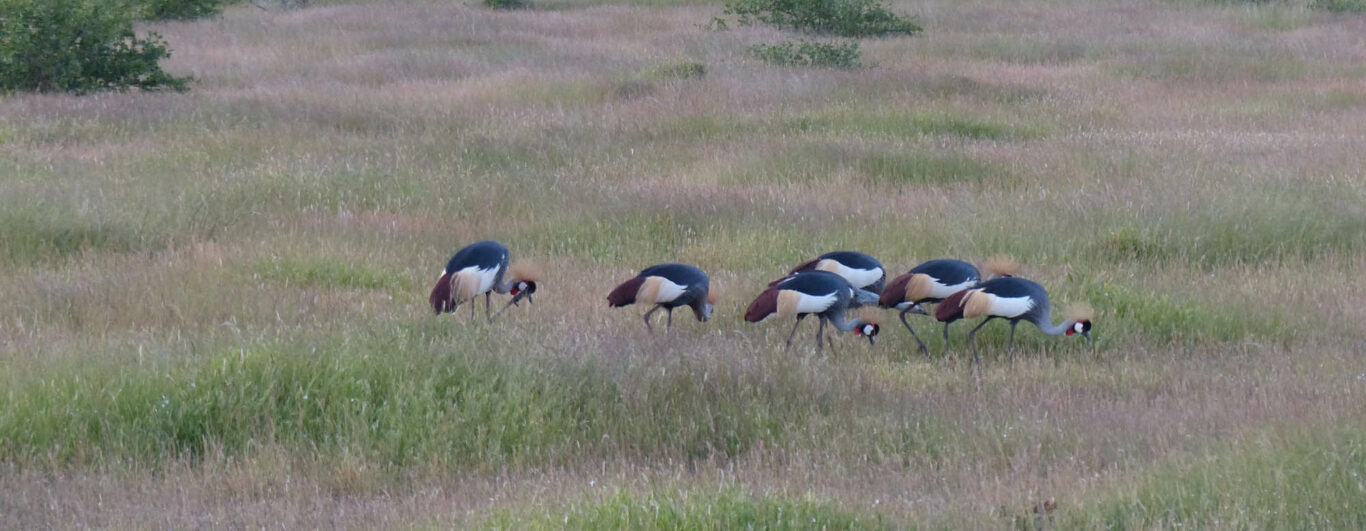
(215,302)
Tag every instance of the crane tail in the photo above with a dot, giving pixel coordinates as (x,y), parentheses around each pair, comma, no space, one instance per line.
(625,293)
(441,295)
(764,305)
(895,292)
(951,308)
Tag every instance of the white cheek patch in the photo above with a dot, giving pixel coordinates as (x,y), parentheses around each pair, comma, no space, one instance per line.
(867,330)
(1077,327)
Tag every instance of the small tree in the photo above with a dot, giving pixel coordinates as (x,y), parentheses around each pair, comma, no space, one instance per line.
(180,9)
(78,46)
(846,18)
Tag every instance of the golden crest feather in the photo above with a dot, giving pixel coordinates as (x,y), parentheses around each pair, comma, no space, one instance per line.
(869,315)
(524,271)
(1079,311)
(1002,265)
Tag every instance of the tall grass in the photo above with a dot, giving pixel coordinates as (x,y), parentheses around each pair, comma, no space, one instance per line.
(218,298)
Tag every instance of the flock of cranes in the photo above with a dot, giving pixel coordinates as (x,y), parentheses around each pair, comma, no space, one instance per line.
(828,287)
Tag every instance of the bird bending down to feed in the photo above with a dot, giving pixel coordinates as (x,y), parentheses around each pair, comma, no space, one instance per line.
(667,286)
(826,295)
(861,270)
(931,282)
(1013,299)
(481,268)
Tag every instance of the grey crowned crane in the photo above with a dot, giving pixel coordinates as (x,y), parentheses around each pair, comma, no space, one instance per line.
(1015,300)
(932,282)
(826,295)
(862,271)
(667,286)
(481,268)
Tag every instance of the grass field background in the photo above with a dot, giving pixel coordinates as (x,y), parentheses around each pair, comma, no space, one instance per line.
(215,302)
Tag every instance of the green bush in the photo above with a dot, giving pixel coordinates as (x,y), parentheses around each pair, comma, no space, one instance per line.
(77,46)
(809,54)
(846,18)
(179,9)
(507,4)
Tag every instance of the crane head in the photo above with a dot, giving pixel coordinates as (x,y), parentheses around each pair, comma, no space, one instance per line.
(1081,327)
(868,330)
(867,323)
(708,304)
(523,289)
(1080,315)
(524,278)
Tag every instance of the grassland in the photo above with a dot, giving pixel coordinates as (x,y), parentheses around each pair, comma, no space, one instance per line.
(215,309)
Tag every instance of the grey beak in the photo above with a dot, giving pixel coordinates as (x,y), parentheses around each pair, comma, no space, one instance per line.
(870,340)
(1087,335)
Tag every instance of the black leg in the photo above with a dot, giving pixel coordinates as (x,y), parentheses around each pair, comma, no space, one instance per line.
(820,336)
(1010,345)
(647,318)
(923,349)
(488,312)
(976,358)
(794,330)
(671,319)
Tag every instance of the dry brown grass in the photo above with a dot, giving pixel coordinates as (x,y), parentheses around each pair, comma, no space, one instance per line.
(1192,171)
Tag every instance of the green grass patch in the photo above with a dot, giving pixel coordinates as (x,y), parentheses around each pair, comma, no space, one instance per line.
(1339,6)
(322,272)
(1303,224)
(29,238)
(1311,479)
(431,392)
(903,124)
(1164,319)
(927,169)
(1203,64)
(727,509)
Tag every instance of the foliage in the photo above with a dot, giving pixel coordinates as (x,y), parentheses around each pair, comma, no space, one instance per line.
(507,4)
(180,9)
(77,46)
(846,18)
(809,54)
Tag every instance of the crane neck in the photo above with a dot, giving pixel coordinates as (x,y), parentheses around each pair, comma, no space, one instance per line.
(1045,324)
(844,325)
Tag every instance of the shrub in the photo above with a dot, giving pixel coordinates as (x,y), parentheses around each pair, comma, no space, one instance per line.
(846,18)
(676,70)
(809,54)
(507,4)
(77,46)
(179,9)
